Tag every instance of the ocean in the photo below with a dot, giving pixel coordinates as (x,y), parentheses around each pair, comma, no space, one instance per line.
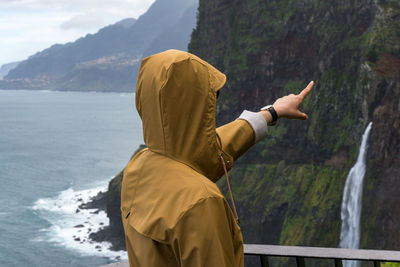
(58,149)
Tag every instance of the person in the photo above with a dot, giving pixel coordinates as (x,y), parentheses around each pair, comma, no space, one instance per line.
(173,212)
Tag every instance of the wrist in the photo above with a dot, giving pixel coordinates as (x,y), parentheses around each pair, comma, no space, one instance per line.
(271,116)
(267,115)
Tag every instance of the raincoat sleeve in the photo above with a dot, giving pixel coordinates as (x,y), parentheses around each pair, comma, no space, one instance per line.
(238,136)
(207,235)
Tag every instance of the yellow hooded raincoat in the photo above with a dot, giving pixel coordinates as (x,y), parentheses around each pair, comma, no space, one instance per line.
(173,212)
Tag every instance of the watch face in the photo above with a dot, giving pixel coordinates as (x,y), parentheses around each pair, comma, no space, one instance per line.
(266,107)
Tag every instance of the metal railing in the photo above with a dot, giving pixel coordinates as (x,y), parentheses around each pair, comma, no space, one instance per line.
(337,255)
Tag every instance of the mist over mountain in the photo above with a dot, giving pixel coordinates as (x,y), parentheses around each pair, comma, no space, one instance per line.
(108,60)
(5,68)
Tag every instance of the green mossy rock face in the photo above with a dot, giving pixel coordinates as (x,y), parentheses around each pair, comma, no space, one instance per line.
(390,264)
(288,188)
(289,205)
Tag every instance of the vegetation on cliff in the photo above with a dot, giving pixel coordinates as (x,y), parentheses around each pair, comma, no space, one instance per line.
(289,187)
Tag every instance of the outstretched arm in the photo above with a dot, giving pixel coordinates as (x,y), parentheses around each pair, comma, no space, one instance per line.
(238,136)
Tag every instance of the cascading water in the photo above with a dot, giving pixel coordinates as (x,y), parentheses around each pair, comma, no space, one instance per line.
(351,203)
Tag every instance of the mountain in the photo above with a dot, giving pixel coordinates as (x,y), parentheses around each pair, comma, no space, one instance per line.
(109,59)
(5,68)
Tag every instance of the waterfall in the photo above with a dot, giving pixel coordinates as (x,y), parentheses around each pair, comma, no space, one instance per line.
(351,203)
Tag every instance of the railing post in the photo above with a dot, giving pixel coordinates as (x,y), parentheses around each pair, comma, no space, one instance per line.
(338,263)
(264,261)
(300,262)
(377,264)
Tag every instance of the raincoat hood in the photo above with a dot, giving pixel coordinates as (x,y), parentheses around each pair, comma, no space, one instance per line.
(176,100)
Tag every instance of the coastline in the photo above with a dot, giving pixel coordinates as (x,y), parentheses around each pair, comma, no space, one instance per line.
(75,217)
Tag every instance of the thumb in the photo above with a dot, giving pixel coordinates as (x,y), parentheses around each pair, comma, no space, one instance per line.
(302,116)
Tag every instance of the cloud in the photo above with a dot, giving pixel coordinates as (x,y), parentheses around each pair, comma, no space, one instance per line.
(82,22)
(28,26)
(24,35)
(125,8)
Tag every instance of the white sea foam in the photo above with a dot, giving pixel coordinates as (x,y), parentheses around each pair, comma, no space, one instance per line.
(71,226)
(126,94)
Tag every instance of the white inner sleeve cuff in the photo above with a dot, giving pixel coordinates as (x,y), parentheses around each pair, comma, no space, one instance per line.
(257,122)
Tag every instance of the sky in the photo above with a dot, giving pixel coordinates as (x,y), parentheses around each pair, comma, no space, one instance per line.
(29,26)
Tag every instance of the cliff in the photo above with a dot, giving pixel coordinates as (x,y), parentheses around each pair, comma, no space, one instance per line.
(288,188)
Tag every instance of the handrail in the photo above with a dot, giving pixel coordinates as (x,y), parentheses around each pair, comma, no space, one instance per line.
(336,254)
(300,253)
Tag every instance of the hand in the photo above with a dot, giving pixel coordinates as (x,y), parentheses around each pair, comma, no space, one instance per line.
(289,106)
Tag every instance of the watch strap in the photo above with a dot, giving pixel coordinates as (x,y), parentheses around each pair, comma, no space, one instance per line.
(274,115)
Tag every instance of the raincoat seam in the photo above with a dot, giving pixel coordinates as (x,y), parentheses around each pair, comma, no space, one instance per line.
(131,205)
(149,236)
(182,162)
(193,169)
(198,202)
(161,101)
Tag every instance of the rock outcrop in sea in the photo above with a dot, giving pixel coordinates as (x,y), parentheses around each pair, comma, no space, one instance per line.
(114,232)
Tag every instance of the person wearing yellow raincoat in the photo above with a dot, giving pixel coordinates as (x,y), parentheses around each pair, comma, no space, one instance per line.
(173,212)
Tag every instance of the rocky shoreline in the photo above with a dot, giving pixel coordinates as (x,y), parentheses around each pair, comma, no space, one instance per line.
(109,202)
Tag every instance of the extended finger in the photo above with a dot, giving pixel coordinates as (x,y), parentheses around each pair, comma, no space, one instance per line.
(306,90)
(302,116)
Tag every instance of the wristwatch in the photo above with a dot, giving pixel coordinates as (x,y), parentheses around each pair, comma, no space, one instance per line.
(274,115)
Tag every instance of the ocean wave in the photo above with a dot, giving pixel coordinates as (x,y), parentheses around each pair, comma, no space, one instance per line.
(70,226)
(126,94)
